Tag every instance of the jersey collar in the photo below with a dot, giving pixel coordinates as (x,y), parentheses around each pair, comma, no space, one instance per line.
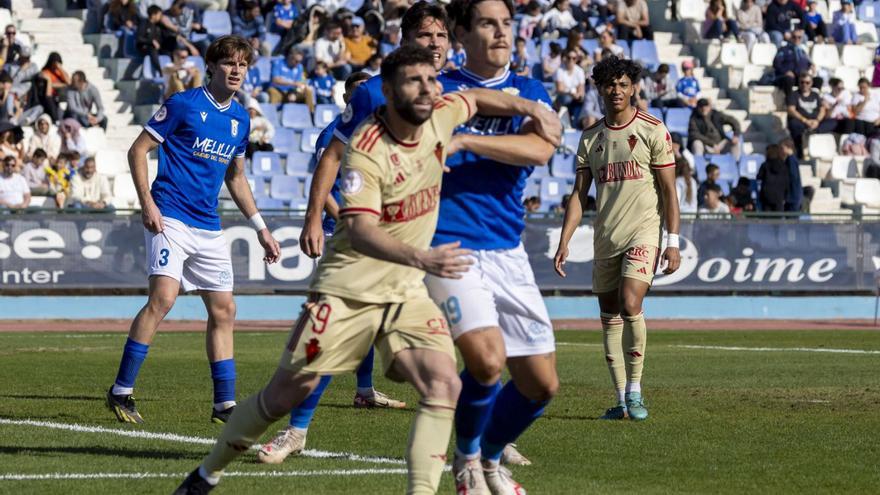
(487,82)
(210,97)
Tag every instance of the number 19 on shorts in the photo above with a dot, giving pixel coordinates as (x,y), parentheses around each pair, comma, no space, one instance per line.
(452,310)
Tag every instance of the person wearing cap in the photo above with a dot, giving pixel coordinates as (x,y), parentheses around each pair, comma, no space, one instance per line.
(688,87)
(844,24)
(706,131)
(360,46)
(815,25)
(391,38)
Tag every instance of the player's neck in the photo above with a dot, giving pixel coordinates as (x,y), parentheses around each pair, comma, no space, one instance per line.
(221,95)
(484,71)
(399,128)
(621,118)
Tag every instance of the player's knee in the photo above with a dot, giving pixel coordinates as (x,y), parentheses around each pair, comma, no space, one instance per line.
(631,303)
(488,370)
(444,385)
(161,304)
(224,312)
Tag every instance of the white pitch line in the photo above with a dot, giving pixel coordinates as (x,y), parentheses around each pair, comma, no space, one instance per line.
(578,344)
(242,474)
(776,349)
(171,437)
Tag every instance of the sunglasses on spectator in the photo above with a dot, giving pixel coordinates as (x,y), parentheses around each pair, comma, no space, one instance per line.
(10,33)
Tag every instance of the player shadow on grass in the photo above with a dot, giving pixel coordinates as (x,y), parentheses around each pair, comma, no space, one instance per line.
(349,407)
(102,451)
(52,397)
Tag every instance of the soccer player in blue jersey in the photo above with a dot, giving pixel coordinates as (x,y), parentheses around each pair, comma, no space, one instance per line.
(201,134)
(292,440)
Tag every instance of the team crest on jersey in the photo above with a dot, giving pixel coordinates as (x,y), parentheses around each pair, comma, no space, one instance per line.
(234,129)
(204,115)
(347,114)
(353,182)
(632,141)
(161,114)
(395,160)
(600,136)
(511,91)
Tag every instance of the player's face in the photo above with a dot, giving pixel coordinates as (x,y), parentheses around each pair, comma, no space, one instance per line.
(490,39)
(413,93)
(230,72)
(434,36)
(618,94)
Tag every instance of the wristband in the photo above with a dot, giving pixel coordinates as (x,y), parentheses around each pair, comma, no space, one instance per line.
(258,222)
(672,240)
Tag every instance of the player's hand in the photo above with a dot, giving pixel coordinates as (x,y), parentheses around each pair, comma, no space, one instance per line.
(559,260)
(671,260)
(311,239)
(270,246)
(152,218)
(547,124)
(446,260)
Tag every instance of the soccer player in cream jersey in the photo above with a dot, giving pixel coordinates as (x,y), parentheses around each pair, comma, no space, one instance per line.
(201,135)
(629,155)
(369,287)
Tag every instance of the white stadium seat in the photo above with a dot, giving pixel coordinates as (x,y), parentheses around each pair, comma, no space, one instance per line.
(825,55)
(849,75)
(95,139)
(763,54)
(843,167)
(124,192)
(734,55)
(822,146)
(866,32)
(868,192)
(857,56)
(111,162)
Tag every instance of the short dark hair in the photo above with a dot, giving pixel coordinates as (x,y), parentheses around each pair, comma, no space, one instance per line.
(834,81)
(864,80)
(229,46)
(711,168)
(461,12)
(331,25)
(80,74)
(39,153)
(663,68)
(611,68)
(153,10)
(405,56)
(5,77)
(414,17)
(714,187)
(354,79)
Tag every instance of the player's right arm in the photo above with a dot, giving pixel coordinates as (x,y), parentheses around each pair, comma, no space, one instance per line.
(311,241)
(574,210)
(137,163)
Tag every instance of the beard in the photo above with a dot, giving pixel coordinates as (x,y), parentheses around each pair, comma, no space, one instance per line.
(408,112)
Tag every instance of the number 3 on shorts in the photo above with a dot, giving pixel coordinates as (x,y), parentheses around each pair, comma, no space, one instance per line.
(452,310)
(163,257)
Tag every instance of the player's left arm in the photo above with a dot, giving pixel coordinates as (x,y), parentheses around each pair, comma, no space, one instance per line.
(241,193)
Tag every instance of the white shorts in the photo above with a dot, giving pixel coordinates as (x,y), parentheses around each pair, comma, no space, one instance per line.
(498,290)
(199,259)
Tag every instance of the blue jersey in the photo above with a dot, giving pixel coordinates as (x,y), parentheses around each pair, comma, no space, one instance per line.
(366,98)
(457,58)
(199,139)
(281,69)
(481,199)
(285,13)
(323,85)
(320,145)
(688,86)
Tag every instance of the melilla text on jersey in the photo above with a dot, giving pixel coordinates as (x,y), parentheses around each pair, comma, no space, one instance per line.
(211,149)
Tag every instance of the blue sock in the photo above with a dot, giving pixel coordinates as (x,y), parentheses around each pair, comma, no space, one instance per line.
(473,412)
(223,374)
(365,371)
(301,415)
(133,355)
(512,415)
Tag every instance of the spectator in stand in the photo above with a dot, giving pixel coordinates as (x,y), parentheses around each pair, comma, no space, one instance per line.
(359,45)
(632,20)
(686,186)
(713,173)
(72,140)
(791,60)
(10,48)
(866,109)
(45,138)
(35,173)
(59,174)
(838,102)
(391,40)
(10,108)
(570,86)
(283,16)
(252,87)
(456,56)
(659,88)
(750,18)
(374,65)
(607,42)
(843,24)
(795,189)
(181,74)
(14,190)
(806,113)
(122,15)
(778,20)
(178,25)
(149,36)
(262,131)
(773,176)
(289,84)
(89,189)
(23,73)
(688,87)
(593,106)
(322,84)
(552,62)
(717,24)
(530,23)
(558,19)
(217,5)
(741,196)
(679,150)
(331,50)
(53,81)
(815,26)
(84,102)
(520,63)
(712,201)
(706,131)
(249,24)
(875,80)
(532,204)
(574,41)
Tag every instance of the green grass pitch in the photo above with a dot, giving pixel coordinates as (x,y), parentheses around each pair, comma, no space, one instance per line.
(722,420)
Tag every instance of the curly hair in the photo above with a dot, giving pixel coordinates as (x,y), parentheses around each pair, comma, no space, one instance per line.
(611,68)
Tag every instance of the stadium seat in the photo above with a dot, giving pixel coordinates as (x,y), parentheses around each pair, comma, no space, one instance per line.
(749,165)
(272,41)
(111,162)
(298,163)
(763,54)
(590,45)
(298,206)
(296,116)
(621,43)
(270,111)
(266,164)
(727,166)
(867,11)
(552,190)
(656,112)
(309,138)
(286,140)
(153,73)
(285,187)
(124,192)
(541,171)
(198,61)
(692,10)
(866,32)
(822,146)
(677,120)
(270,204)
(843,167)
(857,56)
(571,141)
(734,55)
(532,49)
(264,67)
(825,55)
(217,23)
(324,114)
(700,163)
(645,51)
(867,192)
(533,188)
(563,165)
(95,139)
(258,185)
(849,75)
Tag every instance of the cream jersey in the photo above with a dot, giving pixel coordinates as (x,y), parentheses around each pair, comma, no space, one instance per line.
(399,182)
(622,160)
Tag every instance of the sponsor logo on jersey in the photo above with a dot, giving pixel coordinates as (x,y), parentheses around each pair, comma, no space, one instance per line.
(161,114)
(234,129)
(212,149)
(413,206)
(618,171)
(353,182)
(204,115)
(639,254)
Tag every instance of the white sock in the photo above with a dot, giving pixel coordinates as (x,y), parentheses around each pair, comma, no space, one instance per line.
(469,457)
(213,480)
(621,396)
(490,464)
(117,390)
(301,430)
(367,391)
(222,406)
(633,387)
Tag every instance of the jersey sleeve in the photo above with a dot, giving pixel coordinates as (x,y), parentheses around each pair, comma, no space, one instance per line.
(358,109)
(660,143)
(451,111)
(243,129)
(581,162)
(361,187)
(164,121)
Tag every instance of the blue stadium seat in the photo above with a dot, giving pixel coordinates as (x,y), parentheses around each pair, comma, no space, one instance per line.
(264,67)
(571,141)
(285,187)
(270,204)
(298,163)
(258,185)
(324,114)
(656,112)
(700,163)
(309,136)
(590,45)
(532,50)
(272,40)
(198,62)
(298,206)
(552,190)
(677,120)
(541,171)
(217,23)
(645,51)
(286,140)
(750,164)
(266,164)
(563,165)
(270,111)
(533,188)
(728,167)
(625,45)
(296,116)
(155,73)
